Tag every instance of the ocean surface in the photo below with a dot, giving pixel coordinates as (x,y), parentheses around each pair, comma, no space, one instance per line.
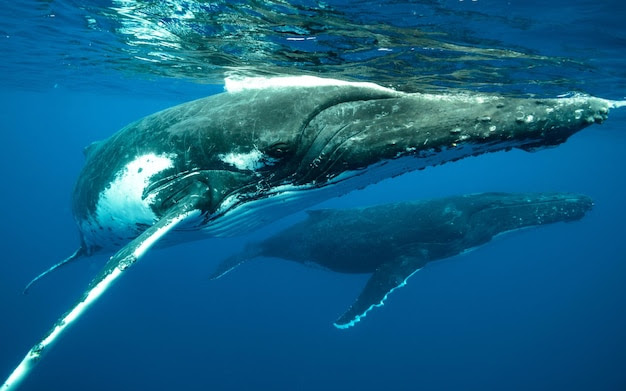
(539,309)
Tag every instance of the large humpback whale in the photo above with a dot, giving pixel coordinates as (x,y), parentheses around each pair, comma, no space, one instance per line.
(393,241)
(234,161)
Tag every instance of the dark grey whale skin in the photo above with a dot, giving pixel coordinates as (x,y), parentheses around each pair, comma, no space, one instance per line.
(393,241)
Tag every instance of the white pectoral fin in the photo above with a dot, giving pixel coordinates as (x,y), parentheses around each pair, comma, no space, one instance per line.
(387,278)
(118,263)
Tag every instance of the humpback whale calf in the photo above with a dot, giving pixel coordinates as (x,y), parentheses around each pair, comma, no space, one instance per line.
(393,241)
(263,149)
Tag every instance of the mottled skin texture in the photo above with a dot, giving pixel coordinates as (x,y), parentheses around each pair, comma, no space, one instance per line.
(393,241)
(312,135)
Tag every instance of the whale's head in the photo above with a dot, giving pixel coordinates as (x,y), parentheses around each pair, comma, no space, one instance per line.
(497,213)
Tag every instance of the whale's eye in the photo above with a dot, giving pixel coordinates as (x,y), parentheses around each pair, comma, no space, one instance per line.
(278,150)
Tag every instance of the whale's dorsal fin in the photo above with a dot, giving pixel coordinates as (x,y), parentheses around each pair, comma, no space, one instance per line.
(186,208)
(384,280)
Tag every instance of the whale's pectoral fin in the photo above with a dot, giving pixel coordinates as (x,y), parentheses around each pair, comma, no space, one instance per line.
(384,280)
(79,253)
(186,207)
(251,251)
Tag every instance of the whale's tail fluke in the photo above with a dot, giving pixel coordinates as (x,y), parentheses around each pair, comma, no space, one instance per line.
(79,253)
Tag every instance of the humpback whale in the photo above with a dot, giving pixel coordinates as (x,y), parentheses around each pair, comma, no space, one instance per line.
(263,149)
(393,241)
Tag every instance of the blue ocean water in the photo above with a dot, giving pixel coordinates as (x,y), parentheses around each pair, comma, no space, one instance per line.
(540,309)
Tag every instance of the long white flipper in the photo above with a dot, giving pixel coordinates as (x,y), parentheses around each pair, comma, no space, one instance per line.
(118,263)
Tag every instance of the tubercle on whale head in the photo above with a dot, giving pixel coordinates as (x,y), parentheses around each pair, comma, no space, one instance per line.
(566,116)
(532,209)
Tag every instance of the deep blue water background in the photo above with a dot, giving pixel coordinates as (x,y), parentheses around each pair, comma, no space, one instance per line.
(540,309)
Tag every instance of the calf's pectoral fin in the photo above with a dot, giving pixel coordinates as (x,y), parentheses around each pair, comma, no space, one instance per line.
(251,251)
(185,208)
(384,280)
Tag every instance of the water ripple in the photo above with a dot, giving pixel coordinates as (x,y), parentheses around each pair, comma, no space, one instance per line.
(413,45)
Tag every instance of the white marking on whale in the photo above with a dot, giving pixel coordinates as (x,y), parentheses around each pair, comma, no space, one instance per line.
(235,84)
(121,205)
(251,161)
(122,201)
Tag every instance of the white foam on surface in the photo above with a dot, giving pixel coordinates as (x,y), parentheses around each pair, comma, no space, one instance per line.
(234,84)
